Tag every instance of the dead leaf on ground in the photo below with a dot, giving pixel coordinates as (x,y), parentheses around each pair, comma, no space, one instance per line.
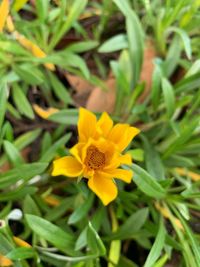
(5,167)
(96,99)
(25,155)
(81,87)
(147,69)
(101,100)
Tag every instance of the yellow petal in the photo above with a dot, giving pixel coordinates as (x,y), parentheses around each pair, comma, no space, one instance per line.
(4,10)
(105,124)
(104,188)
(44,113)
(67,166)
(124,175)
(77,150)
(33,48)
(122,134)
(86,125)
(125,159)
(4,262)
(116,160)
(21,243)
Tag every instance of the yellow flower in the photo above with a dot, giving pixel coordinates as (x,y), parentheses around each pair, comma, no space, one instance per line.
(98,154)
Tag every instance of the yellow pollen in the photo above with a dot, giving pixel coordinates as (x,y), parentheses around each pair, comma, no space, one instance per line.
(95,159)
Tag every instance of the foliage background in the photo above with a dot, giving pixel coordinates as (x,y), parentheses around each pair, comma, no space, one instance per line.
(138,60)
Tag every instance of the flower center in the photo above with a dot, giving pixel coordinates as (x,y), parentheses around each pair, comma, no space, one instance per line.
(95,159)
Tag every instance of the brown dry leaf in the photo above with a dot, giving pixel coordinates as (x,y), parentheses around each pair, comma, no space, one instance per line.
(24,153)
(82,88)
(96,99)
(5,167)
(147,69)
(100,100)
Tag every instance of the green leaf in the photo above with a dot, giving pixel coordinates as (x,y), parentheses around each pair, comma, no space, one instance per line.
(9,131)
(12,153)
(82,210)
(14,48)
(136,45)
(67,60)
(50,232)
(161,262)
(135,38)
(3,101)
(21,253)
(153,161)
(21,101)
(50,153)
(185,38)
(5,245)
(18,4)
(30,207)
(6,210)
(157,246)
(59,89)
(96,221)
(18,193)
(137,154)
(186,133)
(55,213)
(46,142)
(65,116)
(65,259)
(42,8)
(125,262)
(156,86)
(29,74)
(187,84)
(94,241)
(191,238)
(172,58)
(124,6)
(81,47)
(81,242)
(23,172)
(27,138)
(147,183)
(168,97)
(132,225)
(75,10)
(194,69)
(115,43)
